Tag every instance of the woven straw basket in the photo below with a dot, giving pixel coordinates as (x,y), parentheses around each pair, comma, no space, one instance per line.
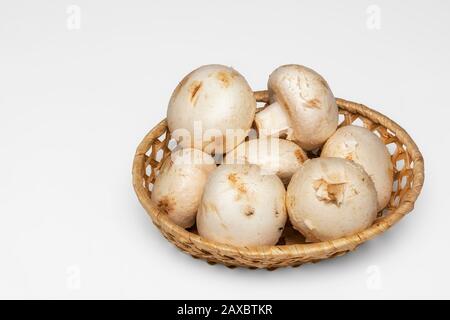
(291,250)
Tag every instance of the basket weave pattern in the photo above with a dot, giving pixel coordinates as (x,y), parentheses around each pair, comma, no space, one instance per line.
(408,180)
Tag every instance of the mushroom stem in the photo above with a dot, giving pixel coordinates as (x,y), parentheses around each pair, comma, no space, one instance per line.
(273,121)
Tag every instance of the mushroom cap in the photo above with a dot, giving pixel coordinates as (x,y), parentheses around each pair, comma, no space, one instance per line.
(365,148)
(211,109)
(243,207)
(179,185)
(329,198)
(272,155)
(309,102)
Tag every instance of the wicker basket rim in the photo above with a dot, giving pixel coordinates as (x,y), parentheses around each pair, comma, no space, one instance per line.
(292,250)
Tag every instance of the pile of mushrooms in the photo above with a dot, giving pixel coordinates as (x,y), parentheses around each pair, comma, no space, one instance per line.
(239,175)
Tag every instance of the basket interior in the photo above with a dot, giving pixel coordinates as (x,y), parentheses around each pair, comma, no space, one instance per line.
(161,147)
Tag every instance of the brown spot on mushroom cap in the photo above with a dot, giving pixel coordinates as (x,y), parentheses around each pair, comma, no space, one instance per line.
(166,204)
(237,184)
(224,77)
(249,211)
(313,103)
(194,89)
(181,84)
(300,155)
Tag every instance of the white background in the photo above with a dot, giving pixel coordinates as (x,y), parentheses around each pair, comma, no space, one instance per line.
(75,102)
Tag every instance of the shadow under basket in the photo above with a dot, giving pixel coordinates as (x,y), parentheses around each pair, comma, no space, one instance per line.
(291,250)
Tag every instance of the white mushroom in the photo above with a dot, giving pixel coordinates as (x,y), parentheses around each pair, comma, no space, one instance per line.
(211,109)
(272,155)
(303,107)
(365,148)
(330,198)
(179,184)
(243,207)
